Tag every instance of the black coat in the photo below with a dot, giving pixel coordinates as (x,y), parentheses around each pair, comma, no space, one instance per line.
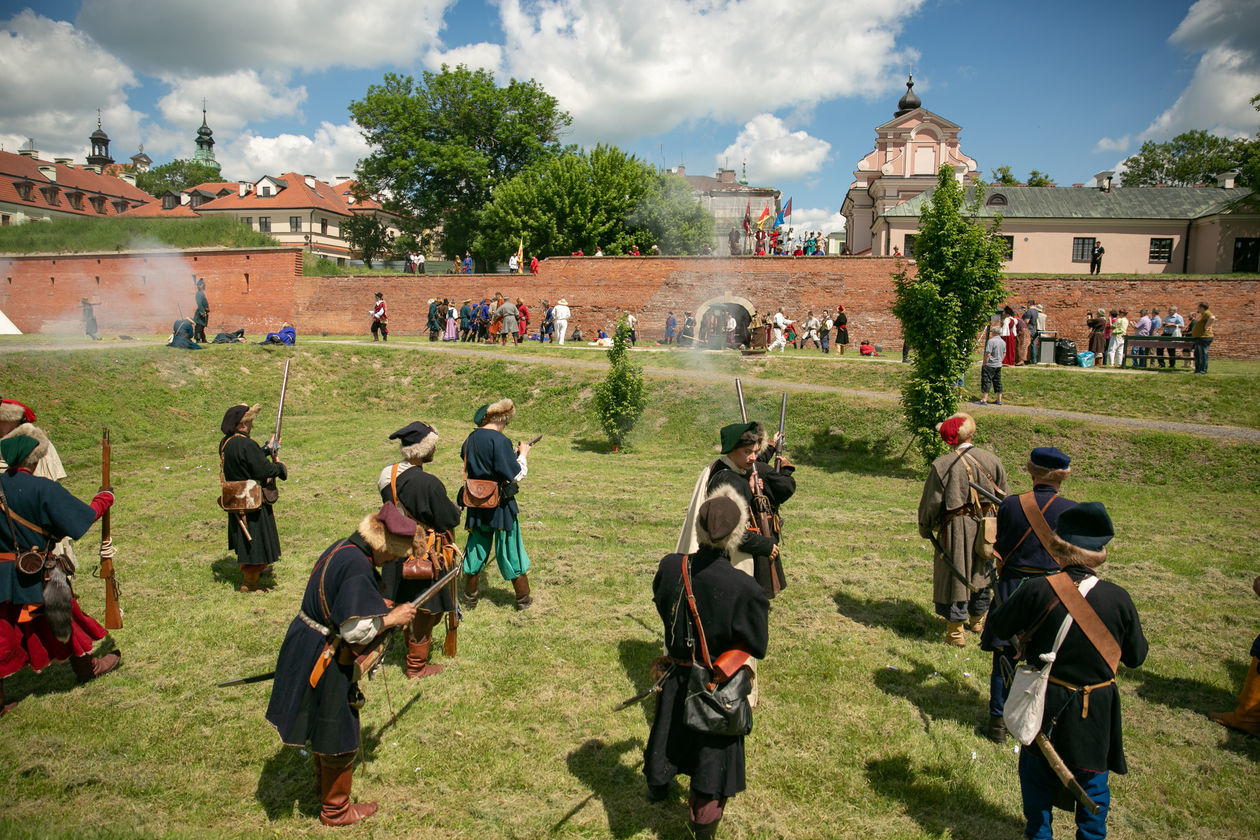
(244,459)
(1095,742)
(778,487)
(734,611)
(323,714)
(423,498)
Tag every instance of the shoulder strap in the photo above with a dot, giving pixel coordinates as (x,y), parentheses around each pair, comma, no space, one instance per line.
(1091,625)
(1037,522)
(695,616)
(393,483)
(323,600)
(222,447)
(992,481)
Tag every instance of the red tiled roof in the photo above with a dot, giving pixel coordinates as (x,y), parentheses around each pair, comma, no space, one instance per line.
(345,190)
(294,195)
(15,169)
(154,210)
(217,187)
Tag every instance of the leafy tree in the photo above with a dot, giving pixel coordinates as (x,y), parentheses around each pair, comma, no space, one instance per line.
(603,198)
(368,235)
(442,145)
(621,397)
(1194,157)
(945,305)
(178,175)
(1039,179)
(1003,176)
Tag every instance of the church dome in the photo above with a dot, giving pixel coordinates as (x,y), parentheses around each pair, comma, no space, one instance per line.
(99,135)
(908,100)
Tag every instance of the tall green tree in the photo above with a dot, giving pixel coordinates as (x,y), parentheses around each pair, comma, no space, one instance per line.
(1195,157)
(622,396)
(1037,178)
(368,235)
(443,144)
(178,175)
(603,198)
(945,304)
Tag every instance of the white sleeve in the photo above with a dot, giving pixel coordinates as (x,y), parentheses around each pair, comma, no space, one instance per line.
(520,459)
(360,631)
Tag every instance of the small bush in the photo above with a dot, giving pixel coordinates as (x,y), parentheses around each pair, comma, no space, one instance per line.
(621,397)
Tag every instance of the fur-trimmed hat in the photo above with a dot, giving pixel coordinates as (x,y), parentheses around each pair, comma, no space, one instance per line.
(39,451)
(742,434)
(957,429)
(722,519)
(504,409)
(388,530)
(12,410)
(416,441)
(238,414)
(1081,535)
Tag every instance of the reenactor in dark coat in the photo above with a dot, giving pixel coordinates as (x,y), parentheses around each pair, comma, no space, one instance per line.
(1082,703)
(315,698)
(421,496)
(1022,557)
(201,315)
(734,612)
(251,534)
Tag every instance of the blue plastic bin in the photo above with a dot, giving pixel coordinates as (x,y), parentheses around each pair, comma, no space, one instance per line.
(1085,359)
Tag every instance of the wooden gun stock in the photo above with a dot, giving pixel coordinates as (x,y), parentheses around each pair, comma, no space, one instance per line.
(113,610)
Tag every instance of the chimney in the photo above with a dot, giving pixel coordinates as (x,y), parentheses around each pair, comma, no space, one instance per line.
(1226,179)
(128,177)
(64,161)
(1103,180)
(726,176)
(244,188)
(682,170)
(33,154)
(49,171)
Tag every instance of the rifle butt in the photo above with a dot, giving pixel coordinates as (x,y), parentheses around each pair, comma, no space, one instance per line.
(450,645)
(1065,775)
(113,610)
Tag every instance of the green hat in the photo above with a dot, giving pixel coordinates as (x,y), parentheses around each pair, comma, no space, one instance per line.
(479,416)
(741,434)
(14,449)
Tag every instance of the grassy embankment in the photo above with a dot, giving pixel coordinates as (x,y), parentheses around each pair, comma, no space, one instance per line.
(868,722)
(76,236)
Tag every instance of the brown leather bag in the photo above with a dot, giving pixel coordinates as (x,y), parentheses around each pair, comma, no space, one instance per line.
(238,496)
(480,492)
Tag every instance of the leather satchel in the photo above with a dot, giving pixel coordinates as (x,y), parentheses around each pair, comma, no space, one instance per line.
(717,692)
(432,553)
(240,496)
(479,492)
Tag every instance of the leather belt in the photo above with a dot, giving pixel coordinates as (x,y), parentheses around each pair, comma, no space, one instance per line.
(322,629)
(1085,688)
(8,558)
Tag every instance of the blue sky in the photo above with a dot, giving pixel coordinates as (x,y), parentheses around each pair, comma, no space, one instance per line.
(794,87)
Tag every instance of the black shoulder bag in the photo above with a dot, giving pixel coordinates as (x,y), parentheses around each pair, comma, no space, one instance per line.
(716,704)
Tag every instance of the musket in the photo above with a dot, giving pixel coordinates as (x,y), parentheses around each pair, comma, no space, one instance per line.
(655,688)
(113,611)
(778,447)
(284,387)
(988,494)
(1065,775)
(739,392)
(537,438)
(371,654)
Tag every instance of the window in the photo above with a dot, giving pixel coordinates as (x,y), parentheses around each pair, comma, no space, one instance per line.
(168,202)
(121,205)
(907,250)
(98,203)
(75,199)
(1161,250)
(295,224)
(1008,247)
(249,222)
(266,191)
(50,195)
(323,226)
(1247,254)
(6,220)
(24,189)
(1082,248)
(264,224)
(996,200)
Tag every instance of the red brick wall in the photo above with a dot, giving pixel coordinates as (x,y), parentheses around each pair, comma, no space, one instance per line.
(139,293)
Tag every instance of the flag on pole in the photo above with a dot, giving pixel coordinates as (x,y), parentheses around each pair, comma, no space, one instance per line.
(765,214)
(786,211)
(520,257)
(748,216)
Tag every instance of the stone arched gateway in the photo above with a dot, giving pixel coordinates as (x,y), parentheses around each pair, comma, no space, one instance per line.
(711,332)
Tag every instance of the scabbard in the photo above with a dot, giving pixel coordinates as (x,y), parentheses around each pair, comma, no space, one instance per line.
(1065,775)
(321,664)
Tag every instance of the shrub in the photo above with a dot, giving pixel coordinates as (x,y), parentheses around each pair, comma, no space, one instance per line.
(621,397)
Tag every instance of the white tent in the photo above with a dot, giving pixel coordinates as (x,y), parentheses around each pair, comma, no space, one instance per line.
(7,327)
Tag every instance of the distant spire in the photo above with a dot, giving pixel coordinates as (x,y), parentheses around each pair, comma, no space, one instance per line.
(908,100)
(100,145)
(205,142)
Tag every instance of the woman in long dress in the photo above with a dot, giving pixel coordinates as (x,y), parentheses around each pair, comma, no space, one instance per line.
(1010,332)
(452,323)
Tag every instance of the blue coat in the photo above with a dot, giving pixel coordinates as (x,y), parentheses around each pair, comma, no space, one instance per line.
(490,456)
(43,502)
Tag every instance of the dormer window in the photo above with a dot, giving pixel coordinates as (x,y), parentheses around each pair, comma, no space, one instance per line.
(120,206)
(996,200)
(169,201)
(98,203)
(266,191)
(75,199)
(24,189)
(50,195)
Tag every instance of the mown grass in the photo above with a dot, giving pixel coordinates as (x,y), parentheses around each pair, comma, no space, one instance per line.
(76,236)
(868,723)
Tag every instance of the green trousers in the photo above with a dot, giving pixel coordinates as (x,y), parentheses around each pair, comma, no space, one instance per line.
(509,551)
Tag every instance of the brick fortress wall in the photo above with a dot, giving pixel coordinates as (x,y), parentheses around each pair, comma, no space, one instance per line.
(258,289)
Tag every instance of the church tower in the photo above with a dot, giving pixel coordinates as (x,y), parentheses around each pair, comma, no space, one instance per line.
(100,146)
(205,144)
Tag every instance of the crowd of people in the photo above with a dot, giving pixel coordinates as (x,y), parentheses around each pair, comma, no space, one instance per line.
(1108,328)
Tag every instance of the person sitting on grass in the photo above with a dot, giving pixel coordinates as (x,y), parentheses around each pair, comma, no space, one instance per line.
(865,348)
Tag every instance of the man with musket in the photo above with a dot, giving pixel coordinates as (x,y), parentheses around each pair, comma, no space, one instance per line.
(1022,556)
(251,528)
(40,619)
(492,519)
(201,313)
(952,515)
(1081,721)
(422,497)
(734,614)
(315,698)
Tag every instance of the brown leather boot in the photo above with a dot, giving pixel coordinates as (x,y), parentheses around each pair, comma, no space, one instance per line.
(975,623)
(469,596)
(250,573)
(419,643)
(87,668)
(954,634)
(335,776)
(523,599)
(1246,717)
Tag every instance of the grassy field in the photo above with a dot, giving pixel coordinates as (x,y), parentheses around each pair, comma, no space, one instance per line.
(92,235)
(868,725)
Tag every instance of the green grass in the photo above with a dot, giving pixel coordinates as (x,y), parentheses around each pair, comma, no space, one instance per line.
(868,723)
(74,236)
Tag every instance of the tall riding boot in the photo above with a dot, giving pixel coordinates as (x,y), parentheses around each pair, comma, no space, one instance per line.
(1245,718)
(419,643)
(521,585)
(336,774)
(250,572)
(469,596)
(87,668)
(705,831)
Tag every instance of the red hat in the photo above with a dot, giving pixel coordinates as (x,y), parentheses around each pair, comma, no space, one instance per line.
(14,410)
(949,429)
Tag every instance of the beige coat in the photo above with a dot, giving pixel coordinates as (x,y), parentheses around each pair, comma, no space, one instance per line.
(947,489)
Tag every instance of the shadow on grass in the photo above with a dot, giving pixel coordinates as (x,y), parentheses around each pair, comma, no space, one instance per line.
(598,445)
(287,782)
(833,451)
(620,789)
(941,802)
(227,571)
(934,694)
(636,658)
(1198,696)
(908,619)
(57,678)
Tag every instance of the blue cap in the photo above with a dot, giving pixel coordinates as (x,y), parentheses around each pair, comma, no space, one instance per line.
(1049,458)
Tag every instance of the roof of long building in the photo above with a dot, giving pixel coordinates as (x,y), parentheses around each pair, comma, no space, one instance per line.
(1090,202)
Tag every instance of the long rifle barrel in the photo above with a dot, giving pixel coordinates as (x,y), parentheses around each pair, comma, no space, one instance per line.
(988,494)
(739,392)
(113,610)
(284,387)
(778,449)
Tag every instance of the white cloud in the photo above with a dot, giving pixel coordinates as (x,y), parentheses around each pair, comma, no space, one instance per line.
(773,152)
(333,150)
(55,78)
(1227,32)
(1113,144)
(236,99)
(632,68)
(476,56)
(193,37)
